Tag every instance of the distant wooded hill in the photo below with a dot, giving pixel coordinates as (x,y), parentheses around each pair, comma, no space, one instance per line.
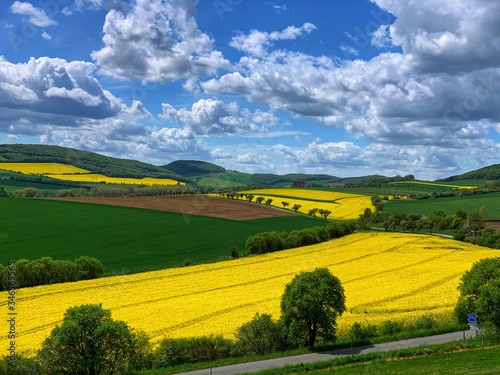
(487,173)
(192,168)
(96,163)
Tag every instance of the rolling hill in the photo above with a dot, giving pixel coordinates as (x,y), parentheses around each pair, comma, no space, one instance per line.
(193,168)
(96,163)
(491,172)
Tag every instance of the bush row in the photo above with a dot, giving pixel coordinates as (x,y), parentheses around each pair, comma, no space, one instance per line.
(268,242)
(45,270)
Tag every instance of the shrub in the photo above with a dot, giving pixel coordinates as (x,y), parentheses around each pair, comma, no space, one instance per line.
(424,322)
(391,327)
(172,352)
(359,332)
(262,335)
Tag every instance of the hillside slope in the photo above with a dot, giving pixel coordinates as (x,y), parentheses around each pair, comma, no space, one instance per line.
(491,172)
(192,168)
(96,163)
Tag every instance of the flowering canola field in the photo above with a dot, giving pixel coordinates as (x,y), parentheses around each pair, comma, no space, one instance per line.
(385,275)
(94,177)
(71,173)
(342,205)
(41,168)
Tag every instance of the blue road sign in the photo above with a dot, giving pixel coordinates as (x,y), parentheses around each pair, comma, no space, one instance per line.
(472,318)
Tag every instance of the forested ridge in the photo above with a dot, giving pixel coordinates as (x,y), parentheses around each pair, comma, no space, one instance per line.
(96,163)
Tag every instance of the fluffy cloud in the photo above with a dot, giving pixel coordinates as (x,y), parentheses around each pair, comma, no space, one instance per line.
(216,118)
(409,98)
(157,41)
(52,91)
(35,16)
(257,42)
(447,36)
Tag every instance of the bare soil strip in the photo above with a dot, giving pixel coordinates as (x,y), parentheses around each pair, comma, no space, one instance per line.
(192,205)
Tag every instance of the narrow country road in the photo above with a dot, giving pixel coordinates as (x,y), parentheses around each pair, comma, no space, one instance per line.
(323,356)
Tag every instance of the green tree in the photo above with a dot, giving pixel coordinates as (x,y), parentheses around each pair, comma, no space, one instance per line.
(310,305)
(88,342)
(259,200)
(480,291)
(296,207)
(285,204)
(88,268)
(262,335)
(269,201)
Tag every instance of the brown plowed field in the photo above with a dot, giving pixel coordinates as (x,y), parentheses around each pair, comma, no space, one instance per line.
(192,205)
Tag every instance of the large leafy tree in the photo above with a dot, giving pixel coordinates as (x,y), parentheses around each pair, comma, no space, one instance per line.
(310,305)
(88,342)
(480,291)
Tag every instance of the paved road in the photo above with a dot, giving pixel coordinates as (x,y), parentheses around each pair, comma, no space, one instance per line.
(323,356)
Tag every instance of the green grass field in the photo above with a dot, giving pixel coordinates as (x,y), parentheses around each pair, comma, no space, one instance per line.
(450,205)
(124,239)
(477,362)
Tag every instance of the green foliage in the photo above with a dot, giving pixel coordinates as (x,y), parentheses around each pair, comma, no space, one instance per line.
(48,271)
(310,305)
(480,292)
(20,365)
(29,192)
(262,335)
(171,352)
(360,332)
(88,342)
(268,242)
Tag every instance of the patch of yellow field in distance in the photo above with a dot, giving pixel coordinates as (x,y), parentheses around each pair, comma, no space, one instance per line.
(94,177)
(41,168)
(435,184)
(385,275)
(342,205)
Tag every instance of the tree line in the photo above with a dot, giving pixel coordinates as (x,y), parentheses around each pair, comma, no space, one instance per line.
(49,271)
(267,242)
(465,226)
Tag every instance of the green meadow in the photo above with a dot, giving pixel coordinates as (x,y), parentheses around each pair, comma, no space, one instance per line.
(449,205)
(124,239)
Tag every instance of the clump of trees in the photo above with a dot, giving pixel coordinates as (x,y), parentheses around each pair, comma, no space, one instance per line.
(480,292)
(267,242)
(49,271)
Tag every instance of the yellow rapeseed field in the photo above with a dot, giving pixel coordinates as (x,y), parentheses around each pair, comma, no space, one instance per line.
(342,205)
(436,184)
(385,275)
(41,168)
(71,173)
(94,177)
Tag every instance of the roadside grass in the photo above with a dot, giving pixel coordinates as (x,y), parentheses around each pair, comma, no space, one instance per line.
(124,239)
(339,363)
(460,357)
(449,205)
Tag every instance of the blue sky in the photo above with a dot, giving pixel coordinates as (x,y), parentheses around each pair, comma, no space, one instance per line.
(347,88)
